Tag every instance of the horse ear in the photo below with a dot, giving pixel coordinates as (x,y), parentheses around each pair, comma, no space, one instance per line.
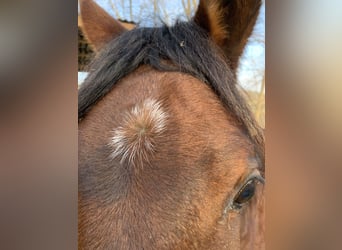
(229,23)
(98,26)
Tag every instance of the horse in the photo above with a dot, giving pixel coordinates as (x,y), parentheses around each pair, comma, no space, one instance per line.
(85,52)
(170,155)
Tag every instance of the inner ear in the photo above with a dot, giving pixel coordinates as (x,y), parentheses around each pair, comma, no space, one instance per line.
(98,26)
(229,23)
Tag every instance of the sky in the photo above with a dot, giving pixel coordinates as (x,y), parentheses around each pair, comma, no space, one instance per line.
(252,62)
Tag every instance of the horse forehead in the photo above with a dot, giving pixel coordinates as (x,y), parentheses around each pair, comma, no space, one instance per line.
(167,88)
(194,102)
(183,98)
(195,113)
(183,106)
(171,88)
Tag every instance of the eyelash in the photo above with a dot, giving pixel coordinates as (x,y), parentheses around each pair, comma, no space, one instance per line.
(246,192)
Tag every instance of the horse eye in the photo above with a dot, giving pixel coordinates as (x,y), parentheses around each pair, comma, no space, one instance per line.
(245,194)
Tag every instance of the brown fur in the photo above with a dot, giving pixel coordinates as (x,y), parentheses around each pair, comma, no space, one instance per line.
(230,23)
(180,195)
(178,198)
(98,26)
(85,49)
(214,20)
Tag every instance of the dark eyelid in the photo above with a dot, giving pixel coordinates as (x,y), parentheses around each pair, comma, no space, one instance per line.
(255,176)
(251,177)
(243,180)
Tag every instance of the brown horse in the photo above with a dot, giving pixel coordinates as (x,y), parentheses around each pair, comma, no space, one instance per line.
(170,157)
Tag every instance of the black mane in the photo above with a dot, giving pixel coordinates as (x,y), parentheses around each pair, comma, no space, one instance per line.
(184,47)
